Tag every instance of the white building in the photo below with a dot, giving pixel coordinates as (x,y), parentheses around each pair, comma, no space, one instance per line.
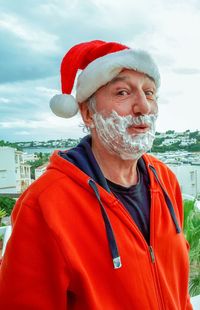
(188,177)
(29,157)
(15,174)
(186,141)
(40,170)
(170,141)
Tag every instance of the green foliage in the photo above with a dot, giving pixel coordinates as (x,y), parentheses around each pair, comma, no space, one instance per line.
(192,234)
(195,147)
(194,134)
(158,141)
(42,159)
(194,286)
(14,145)
(2,213)
(165,148)
(188,208)
(170,132)
(157,147)
(7,204)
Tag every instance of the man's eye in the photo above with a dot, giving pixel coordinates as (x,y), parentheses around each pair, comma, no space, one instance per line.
(122,93)
(150,94)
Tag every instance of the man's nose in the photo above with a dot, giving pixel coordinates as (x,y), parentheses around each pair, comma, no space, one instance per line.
(141,105)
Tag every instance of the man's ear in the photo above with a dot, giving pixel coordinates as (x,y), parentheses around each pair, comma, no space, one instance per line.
(86,113)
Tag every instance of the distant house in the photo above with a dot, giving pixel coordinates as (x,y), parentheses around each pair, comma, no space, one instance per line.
(170,141)
(187,141)
(189,178)
(29,157)
(15,175)
(40,170)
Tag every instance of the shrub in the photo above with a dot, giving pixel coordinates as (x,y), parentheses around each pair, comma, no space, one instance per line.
(7,204)
(192,234)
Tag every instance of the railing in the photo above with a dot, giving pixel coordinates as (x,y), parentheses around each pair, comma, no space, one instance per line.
(6,232)
(195,302)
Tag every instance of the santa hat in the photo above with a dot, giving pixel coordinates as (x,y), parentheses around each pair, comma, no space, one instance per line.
(100,62)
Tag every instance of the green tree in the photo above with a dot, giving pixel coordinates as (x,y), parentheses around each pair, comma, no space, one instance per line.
(158,141)
(192,234)
(42,159)
(194,147)
(170,132)
(2,214)
(14,145)
(194,134)
(7,204)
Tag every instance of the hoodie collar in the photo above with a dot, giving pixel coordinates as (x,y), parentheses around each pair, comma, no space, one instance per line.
(82,157)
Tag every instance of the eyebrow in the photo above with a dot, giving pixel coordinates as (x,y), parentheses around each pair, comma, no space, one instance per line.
(127,78)
(119,79)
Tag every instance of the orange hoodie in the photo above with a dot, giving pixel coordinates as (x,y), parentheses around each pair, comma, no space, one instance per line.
(58,256)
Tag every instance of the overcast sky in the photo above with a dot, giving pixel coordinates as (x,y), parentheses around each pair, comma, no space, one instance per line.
(35,35)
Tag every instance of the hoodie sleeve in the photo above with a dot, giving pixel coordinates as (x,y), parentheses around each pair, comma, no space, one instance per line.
(33,273)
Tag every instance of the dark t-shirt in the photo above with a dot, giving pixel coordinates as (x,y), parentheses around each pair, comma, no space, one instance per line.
(136,199)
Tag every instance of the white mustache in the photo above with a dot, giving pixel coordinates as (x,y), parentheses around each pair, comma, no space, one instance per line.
(125,122)
(138,120)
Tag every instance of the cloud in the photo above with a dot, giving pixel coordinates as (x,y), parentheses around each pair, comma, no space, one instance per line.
(20,63)
(50,127)
(186,70)
(27,100)
(31,37)
(22,133)
(4,100)
(35,35)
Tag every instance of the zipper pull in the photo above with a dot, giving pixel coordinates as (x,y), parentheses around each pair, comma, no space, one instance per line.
(151,251)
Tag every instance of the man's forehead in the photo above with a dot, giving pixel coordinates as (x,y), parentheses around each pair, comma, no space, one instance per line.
(126,76)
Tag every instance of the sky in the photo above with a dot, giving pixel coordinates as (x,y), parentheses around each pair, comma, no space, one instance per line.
(35,35)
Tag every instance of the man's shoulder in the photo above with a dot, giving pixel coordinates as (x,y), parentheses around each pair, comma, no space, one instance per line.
(159,165)
(48,180)
(151,159)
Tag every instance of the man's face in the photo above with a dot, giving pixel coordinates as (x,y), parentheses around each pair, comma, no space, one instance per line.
(125,114)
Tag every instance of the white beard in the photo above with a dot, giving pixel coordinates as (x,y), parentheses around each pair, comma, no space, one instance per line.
(112,131)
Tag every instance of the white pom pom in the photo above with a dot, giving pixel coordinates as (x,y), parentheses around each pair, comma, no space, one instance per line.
(64,105)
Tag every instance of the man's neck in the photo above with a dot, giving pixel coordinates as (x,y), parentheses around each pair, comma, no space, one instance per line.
(114,168)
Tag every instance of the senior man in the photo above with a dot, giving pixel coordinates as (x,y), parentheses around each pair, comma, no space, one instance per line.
(102,227)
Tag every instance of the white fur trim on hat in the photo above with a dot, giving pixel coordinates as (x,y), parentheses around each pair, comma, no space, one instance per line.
(102,70)
(64,105)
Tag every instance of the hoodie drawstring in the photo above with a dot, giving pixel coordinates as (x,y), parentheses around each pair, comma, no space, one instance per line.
(109,230)
(168,201)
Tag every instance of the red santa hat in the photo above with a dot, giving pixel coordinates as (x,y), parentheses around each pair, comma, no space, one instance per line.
(100,62)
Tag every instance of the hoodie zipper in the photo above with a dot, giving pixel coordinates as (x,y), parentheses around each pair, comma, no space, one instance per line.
(153,264)
(113,245)
(178,230)
(151,251)
(152,259)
